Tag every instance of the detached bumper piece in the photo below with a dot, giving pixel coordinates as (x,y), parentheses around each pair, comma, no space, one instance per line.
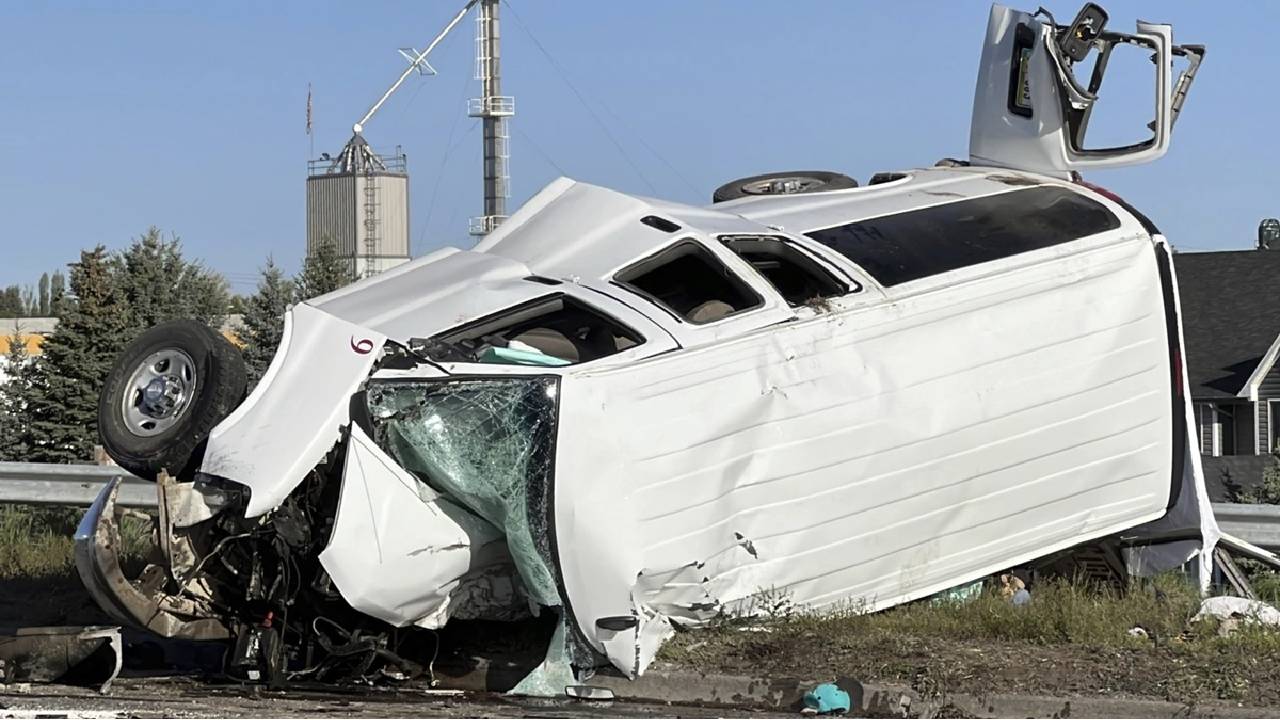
(143,604)
(88,656)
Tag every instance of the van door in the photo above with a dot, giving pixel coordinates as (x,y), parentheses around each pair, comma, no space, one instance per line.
(1030,111)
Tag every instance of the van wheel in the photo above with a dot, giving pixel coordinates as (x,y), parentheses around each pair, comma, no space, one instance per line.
(784,183)
(166,391)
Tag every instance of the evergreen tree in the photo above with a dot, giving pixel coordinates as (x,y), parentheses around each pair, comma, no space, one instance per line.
(63,402)
(20,373)
(264,319)
(42,288)
(157,284)
(11,302)
(57,290)
(324,271)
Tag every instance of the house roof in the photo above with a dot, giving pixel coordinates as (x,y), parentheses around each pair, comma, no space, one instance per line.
(1229,316)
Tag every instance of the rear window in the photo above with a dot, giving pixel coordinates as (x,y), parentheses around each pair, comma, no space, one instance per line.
(908,246)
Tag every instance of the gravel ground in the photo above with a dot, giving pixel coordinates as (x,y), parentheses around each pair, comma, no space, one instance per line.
(189,698)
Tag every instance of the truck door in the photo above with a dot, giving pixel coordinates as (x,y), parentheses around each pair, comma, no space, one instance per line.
(1031,112)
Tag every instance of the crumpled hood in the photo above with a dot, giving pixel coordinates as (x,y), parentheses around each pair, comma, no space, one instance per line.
(295,414)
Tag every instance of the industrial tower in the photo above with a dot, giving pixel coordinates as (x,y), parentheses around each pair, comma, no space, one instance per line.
(493,108)
(359,200)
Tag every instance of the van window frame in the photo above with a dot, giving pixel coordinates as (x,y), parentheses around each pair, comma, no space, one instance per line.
(927,242)
(627,331)
(814,261)
(656,259)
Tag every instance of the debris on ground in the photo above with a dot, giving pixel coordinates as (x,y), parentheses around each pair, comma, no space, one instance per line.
(1232,612)
(826,698)
(1014,589)
(88,656)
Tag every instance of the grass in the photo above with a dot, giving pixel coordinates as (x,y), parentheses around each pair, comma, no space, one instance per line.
(39,585)
(1073,638)
(38,542)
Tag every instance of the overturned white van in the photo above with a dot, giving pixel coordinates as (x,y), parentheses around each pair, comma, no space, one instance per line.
(640,414)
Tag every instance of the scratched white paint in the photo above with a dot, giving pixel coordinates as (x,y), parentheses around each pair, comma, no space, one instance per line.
(894,444)
(873,455)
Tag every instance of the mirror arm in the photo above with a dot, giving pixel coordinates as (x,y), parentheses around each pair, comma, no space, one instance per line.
(1194,54)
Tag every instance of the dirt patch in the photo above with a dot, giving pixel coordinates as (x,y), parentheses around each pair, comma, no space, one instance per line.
(1069,640)
(935,667)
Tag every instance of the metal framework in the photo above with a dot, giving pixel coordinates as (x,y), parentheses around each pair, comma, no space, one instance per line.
(493,108)
(418,63)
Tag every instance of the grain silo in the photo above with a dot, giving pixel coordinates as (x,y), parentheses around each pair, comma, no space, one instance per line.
(359,201)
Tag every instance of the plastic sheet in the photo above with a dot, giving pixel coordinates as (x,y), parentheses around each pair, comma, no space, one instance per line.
(485,443)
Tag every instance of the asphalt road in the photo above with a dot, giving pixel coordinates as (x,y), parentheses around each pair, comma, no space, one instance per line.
(190,698)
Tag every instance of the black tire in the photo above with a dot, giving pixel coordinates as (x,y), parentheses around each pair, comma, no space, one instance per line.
(809,181)
(171,443)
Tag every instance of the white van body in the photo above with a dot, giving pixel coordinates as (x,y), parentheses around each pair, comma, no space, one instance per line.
(893,443)
(867,396)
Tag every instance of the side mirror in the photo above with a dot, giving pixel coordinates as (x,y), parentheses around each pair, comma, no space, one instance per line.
(1077,41)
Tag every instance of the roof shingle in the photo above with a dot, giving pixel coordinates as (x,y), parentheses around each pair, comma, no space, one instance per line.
(1230,315)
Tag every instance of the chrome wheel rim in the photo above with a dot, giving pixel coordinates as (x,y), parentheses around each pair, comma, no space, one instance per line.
(158,392)
(790,185)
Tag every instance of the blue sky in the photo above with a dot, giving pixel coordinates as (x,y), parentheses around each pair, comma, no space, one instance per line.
(115,116)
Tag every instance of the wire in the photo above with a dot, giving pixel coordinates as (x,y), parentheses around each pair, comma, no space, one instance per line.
(651,149)
(565,77)
(444,161)
(444,47)
(540,151)
(439,175)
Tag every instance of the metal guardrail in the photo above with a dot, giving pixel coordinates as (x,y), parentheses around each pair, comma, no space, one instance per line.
(1257,524)
(50,484)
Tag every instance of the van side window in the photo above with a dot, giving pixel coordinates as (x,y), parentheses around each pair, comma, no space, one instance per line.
(798,278)
(908,246)
(549,331)
(688,280)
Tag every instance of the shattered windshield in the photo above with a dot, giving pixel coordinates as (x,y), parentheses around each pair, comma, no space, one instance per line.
(485,444)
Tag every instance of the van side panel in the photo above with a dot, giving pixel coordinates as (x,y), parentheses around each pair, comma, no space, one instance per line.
(869,456)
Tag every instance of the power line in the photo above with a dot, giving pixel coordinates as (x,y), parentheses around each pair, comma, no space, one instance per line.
(540,151)
(564,76)
(444,161)
(440,175)
(444,48)
(650,148)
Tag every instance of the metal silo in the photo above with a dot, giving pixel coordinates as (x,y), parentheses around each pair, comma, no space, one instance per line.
(359,201)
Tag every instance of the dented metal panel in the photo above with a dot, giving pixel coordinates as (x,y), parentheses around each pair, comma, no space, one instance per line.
(870,456)
(402,553)
(294,416)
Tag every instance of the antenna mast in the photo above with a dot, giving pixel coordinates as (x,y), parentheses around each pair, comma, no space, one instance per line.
(493,108)
(417,61)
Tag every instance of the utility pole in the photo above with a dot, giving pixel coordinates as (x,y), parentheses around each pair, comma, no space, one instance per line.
(493,108)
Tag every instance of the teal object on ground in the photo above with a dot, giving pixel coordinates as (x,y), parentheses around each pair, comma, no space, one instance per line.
(827,698)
